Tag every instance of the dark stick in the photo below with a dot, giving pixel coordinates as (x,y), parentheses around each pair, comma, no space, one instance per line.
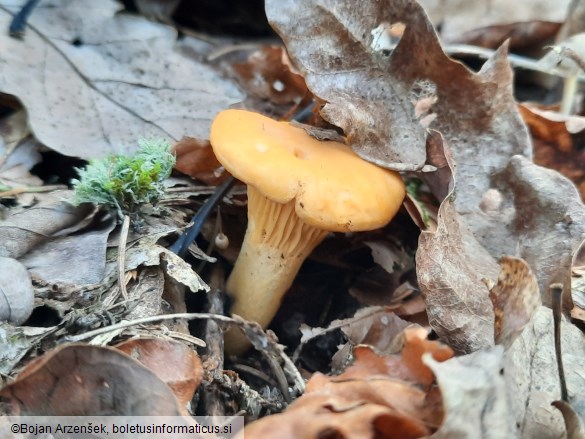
(18,23)
(188,236)
(557,294)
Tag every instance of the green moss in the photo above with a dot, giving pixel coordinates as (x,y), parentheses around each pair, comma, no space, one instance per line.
(125,183)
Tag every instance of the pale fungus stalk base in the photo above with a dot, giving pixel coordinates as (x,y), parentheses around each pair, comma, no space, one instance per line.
(275,246)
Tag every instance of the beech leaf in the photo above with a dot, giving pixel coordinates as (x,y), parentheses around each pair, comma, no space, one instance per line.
(94,81)
(345,63)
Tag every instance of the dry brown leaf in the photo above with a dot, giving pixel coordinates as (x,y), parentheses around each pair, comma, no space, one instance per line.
(94,81)
(474,396)
(573,123)
(532,378)
(450,267)
(320,415)
(174,363)
(482,134)
(490,23)
(196,159)
(515,298)
(25,228)
(267,74)
(78,380)
(491,149)
(524,210)
(341,55)
(554,146)
(78,258)
(406,366)
(548,130)
(378,330)
(545,219)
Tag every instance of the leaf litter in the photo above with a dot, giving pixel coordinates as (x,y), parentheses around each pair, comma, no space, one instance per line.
(115,78)
(496,229)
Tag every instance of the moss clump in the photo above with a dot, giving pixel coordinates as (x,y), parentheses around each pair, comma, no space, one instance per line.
(125,183)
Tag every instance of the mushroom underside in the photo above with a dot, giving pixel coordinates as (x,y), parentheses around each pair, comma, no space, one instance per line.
(275,246)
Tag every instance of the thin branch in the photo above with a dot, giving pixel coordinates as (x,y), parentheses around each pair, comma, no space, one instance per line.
(514,60)
(31,189)
(151,319)
(557,294)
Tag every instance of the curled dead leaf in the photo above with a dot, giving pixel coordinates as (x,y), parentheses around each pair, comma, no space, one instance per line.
(474,396)
(78,380)
(406,366)
(515,297)
(173,362)
(450,267)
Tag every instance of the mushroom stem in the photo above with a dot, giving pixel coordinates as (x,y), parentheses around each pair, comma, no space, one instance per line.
(275,246)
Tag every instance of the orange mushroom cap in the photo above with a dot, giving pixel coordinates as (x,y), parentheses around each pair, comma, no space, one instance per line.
(333,187)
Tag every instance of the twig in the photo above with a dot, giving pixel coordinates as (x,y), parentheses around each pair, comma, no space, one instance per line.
(292,370)
(253,371)
(336,325)
(279,374)
(122,256)
(557,294)
(211,397)
(182,244)
(515,60)
(215,306)
(31,189)
(150,319)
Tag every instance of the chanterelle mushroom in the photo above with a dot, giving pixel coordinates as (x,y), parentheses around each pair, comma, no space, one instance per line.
(299,190)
